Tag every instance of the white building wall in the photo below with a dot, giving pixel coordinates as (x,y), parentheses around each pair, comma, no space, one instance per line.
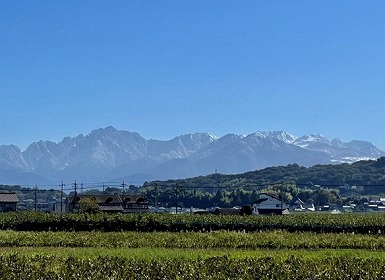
(270,203)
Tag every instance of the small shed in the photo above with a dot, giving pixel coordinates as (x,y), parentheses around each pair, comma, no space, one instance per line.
(8,202)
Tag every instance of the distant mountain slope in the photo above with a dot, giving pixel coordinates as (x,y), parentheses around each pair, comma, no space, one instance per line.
(108,153)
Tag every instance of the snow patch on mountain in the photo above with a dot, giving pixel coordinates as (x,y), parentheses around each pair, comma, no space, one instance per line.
(307,141)
(280,135)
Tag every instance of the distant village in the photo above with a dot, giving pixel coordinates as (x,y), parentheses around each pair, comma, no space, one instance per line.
(138,203)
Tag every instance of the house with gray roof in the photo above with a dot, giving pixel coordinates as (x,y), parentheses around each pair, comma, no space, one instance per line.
(8,202)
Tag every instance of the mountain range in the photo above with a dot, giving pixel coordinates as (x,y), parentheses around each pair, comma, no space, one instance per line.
(109,154)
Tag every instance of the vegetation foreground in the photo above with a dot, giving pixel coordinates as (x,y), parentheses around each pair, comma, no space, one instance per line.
(314,222)
(20,266)
(97,253)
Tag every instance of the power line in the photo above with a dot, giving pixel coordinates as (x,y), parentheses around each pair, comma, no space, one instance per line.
(105,185)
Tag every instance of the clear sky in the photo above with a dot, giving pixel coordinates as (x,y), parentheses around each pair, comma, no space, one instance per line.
(165,68)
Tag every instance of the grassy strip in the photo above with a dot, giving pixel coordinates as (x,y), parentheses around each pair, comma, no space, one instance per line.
(297,265)
(188,254)
(193,240)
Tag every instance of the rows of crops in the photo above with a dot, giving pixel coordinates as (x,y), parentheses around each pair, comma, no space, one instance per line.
(193,240)
(324,223)
(149,246)
(18,266)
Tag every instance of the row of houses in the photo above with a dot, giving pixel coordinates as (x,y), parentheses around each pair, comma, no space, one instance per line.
(266,204)
(109,203)
(132,203)
(116,203)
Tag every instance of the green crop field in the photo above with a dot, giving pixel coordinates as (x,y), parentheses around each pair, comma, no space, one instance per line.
(320,223)
(161,263)
(194,240)
(88,248)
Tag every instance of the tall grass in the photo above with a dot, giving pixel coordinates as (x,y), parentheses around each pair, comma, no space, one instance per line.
(194,240)
(20,266)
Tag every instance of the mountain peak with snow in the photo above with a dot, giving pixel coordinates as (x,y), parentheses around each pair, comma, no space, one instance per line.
(279,135)
(109,153)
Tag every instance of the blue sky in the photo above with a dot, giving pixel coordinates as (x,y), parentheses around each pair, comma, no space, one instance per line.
(165,68)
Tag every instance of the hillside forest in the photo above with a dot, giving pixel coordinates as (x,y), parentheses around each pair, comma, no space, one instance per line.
(339,184)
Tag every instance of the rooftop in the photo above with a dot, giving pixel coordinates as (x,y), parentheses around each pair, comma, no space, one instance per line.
(9,197)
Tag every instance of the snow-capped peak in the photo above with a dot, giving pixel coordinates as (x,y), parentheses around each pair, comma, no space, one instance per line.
(280,135)
(309,139)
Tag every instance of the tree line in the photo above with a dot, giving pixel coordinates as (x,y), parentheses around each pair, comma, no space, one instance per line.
(319,184)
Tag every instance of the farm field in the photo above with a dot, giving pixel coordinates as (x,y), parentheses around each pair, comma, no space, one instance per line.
(165,263)
(314,222)
(274,240)
(215,254)
(161,254)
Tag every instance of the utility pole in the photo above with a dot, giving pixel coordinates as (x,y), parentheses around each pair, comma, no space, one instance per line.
(61,197)
(103,187)
(123,185)
(177,189)
(216,186)
(156,196)
(81,188)
(281,199)
(35,196)
(74,198)
(124,204)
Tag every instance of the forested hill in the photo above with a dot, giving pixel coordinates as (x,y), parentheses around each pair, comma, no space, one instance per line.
(370,174)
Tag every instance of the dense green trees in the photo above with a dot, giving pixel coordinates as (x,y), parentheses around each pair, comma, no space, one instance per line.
(89,205)
(321,184)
